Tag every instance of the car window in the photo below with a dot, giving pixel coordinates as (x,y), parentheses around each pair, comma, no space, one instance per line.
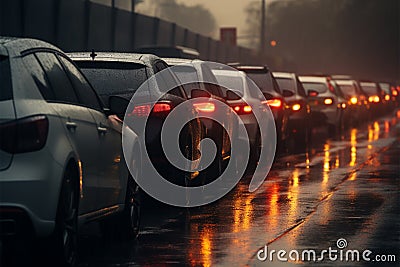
(286,84)
(348,89)
(85,92)
(5,79)
(369,88)
(167,78)
(300,88)
(113,78)
(233,83)
(187,73)
(318,87)
(39,77)
(61,85)
(263,81)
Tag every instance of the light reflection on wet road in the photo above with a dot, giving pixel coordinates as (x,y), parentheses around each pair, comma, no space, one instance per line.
(344,187)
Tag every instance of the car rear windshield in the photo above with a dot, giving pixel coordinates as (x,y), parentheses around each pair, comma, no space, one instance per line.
(348,89)
(5,79)
(369,88)
(385,87)
(187,73)
(286,84)
(113,78)
(233,83)
(318,87)
(263,81)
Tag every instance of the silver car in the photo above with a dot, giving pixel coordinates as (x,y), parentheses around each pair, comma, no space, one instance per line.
(61,161)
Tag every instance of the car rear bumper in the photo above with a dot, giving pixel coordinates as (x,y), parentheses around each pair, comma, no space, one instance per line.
(31,185)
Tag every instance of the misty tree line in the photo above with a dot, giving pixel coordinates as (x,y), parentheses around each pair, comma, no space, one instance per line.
(196,18)
(330,35)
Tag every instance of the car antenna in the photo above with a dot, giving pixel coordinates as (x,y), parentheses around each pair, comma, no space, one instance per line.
(93,54)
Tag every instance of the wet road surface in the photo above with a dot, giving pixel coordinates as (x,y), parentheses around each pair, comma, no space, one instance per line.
(345,187)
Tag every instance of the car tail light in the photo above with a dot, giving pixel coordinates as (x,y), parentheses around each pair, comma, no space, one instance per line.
(204,107)
(374,99)
(144,110)
(313,93)
(394,92)
(242,109)
(274,103)
(328,101)
(387,97)
(343,105)
(353,100)
(24,135)
(296,107)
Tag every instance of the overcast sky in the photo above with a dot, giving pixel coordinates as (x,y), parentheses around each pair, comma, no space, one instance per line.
(228,13)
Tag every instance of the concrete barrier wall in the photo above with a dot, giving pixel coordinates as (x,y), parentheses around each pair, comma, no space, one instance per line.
(72,35)
(79,25)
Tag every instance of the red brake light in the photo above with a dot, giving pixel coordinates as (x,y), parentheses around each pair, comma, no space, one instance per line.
(24,135)
(242,109)
(328,101)
(312,93)
(144,110)
(161,107)
(374,99)
(275,103)
(296,107)
(204,107)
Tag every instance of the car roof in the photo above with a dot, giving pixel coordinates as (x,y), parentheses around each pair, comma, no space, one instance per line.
(114,57)
(230,73)
(314,79)
(288,75)
(345,82)
(176,61)
(255,68)
(20,45)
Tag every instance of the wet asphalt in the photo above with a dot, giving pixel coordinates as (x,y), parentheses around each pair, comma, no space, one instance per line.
(344,187)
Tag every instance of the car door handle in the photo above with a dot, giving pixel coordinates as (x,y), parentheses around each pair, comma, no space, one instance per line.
(71,125)
(101,129)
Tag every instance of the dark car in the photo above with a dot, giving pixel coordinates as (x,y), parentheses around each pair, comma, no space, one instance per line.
(389,96)
(263,78)
(375,96)
(357,100)
(197,75)
(299,123)
(117,76)
(325,100)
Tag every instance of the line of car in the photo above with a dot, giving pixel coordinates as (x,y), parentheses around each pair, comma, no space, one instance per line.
(61,126)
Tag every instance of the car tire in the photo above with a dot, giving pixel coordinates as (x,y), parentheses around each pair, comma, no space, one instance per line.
(65,237)
(130,217)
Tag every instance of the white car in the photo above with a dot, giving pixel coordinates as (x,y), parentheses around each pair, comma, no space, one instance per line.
(61,160)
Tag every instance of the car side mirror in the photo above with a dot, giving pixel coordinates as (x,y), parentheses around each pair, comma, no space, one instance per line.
(195,93)
(312,93)
(118,105)
(230,95)
(287,93)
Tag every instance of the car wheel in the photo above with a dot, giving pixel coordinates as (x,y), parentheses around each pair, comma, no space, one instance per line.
(130,218)
(65,239)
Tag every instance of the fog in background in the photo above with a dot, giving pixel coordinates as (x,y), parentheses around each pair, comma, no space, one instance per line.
(358,37)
